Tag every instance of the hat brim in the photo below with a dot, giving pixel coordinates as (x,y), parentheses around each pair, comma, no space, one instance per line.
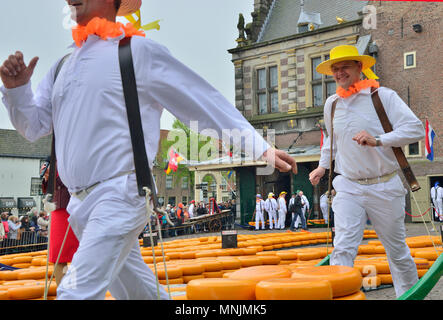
(128,7)
(325,66)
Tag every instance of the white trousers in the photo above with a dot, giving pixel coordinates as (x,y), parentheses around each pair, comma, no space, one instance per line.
(273,220)
(281,219)
(258,218)
(324,211)
(383,204)
(439,208)
(107,224)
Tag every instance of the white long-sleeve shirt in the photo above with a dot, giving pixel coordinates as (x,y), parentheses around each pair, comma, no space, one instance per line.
(191,210)
(305,202)
(87,110)
(357,113)
(282,205)
(271,205)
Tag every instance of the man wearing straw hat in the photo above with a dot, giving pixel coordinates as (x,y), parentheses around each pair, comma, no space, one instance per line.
(259,212)
(368,185)
(271,208)
(282,210)
(85,108)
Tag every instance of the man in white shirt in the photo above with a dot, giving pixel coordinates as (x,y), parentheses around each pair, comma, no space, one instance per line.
(437,201)
(271,207)
(191,209)
(367,185)
(85,108)
(282,210)
(305,203)
(259,212)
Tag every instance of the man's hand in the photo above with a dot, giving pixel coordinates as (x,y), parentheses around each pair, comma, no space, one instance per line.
(316,175)
(365,139)
(14,73)
(281,160)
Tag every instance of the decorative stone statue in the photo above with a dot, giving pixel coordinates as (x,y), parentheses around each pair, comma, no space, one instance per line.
(241,27)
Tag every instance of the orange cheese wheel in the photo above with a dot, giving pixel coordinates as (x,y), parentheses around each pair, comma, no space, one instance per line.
(382,267)
(187,255)
(213,274)
(35,274)
(205,253)
(173,255)
(191,269)
(9,275)
(344,280)
(270,259)
(422,263)
(266,253)
(366,249)
(249,261)
(173,272)
(235,252)
(309,255)
(26,292)
(359,295)
(293,289)
(379,249)
(36,262)
(4,294)
(211,266)
(385,278)
(52,290)
(21,265)
(172,281)
(259,273)
(186,279)
(249,251)
(220,289)
(7,261)
(231,263)
(22,259)
(421,272)
(426,254)
(287,255)
(18,282)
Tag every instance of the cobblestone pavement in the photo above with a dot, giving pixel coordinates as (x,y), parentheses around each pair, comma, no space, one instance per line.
(412,229)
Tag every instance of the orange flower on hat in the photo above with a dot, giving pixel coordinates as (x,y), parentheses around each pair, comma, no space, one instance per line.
(105,29)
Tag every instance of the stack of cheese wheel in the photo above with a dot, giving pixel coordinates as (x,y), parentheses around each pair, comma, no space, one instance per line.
(174,273)
(345,281)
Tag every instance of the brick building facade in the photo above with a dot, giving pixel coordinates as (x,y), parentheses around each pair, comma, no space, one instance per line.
(408,44)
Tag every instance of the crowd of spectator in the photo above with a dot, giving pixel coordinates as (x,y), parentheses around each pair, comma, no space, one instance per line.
(180,214)
(28,232)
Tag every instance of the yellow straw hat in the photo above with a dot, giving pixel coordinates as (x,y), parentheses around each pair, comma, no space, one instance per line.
(283,192)
(345,53)
(129,6)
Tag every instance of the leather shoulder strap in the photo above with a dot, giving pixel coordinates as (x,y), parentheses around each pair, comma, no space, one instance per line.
(331,140)
(52,169)
(142,169)
(398,152)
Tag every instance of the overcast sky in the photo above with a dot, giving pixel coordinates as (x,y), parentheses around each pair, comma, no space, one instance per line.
(197,32)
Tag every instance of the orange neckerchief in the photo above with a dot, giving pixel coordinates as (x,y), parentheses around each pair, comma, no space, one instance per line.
(103,28)
(356,87)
